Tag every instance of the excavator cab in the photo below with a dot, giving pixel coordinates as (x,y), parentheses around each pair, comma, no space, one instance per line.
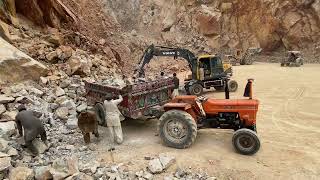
(212,65)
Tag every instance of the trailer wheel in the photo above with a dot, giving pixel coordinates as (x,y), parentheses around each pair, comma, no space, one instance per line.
(246,141)
(100,114)
(233,85)
(196,89)
(177,129)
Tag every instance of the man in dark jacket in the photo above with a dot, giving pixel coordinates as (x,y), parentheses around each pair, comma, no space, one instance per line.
(176,86)
(32,127)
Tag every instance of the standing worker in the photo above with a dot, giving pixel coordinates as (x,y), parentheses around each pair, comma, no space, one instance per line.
(176,86)
(113,118)
(32,127)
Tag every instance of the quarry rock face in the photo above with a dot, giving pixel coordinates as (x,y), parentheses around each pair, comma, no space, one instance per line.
(271,24)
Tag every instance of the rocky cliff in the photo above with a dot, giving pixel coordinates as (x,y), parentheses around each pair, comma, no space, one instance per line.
(224,24)
(120,30)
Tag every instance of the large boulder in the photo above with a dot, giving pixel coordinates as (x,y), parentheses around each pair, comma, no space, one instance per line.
(16,66)
(208,21)
(8,11)
(45,12)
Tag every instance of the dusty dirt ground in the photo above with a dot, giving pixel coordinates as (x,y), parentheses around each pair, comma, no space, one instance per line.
(288,126)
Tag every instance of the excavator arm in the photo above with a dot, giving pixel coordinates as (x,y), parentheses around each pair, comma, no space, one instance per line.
(152,51)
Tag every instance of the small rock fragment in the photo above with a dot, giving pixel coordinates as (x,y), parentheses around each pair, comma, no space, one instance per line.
(62,113)
(21,173)
(43,80)
(72,123)
(59,91)
(6,99)
(82,107)
(2,109)
(5,163)
(36,91)
(39,145)
(166,160)
(155,166)
(7,129)
(12,152)
(9,116)
(43,173)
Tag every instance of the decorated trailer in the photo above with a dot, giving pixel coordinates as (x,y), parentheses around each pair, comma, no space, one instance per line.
(140,100)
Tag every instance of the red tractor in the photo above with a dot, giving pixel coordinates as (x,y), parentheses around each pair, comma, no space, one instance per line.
(184,115)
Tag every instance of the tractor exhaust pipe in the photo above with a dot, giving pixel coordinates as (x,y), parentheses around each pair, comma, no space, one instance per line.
(226,89)
(248,90)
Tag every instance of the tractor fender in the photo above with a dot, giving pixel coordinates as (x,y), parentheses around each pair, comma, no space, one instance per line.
(181,106)
(247,121)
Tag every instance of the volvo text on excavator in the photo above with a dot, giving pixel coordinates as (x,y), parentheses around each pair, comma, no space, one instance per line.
(207,70)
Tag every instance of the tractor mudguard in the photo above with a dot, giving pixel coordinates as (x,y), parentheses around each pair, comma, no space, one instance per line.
(187,107)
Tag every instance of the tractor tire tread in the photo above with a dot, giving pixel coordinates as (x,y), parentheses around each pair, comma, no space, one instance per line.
(255,137)
(189,120)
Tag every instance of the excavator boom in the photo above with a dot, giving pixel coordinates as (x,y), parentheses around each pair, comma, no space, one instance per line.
(152,51)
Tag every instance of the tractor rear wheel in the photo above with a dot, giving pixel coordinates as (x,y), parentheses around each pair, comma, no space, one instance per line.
(246,141)
(233,85)
(100,114)
(196,89)
(177,129)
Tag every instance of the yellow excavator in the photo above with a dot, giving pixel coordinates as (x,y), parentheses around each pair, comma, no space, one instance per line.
(207,70)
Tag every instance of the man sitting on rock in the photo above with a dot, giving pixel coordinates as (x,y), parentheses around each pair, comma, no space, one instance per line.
(32,127)
(113,118)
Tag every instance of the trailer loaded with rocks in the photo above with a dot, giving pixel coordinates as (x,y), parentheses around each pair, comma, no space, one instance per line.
(140,100)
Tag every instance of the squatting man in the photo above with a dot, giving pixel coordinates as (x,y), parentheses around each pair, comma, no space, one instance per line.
(31,126)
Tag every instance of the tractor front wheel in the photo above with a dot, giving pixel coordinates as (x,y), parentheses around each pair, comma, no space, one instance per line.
(233,85)
(196,89)
(100,114)
(177,129)
(246,141)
